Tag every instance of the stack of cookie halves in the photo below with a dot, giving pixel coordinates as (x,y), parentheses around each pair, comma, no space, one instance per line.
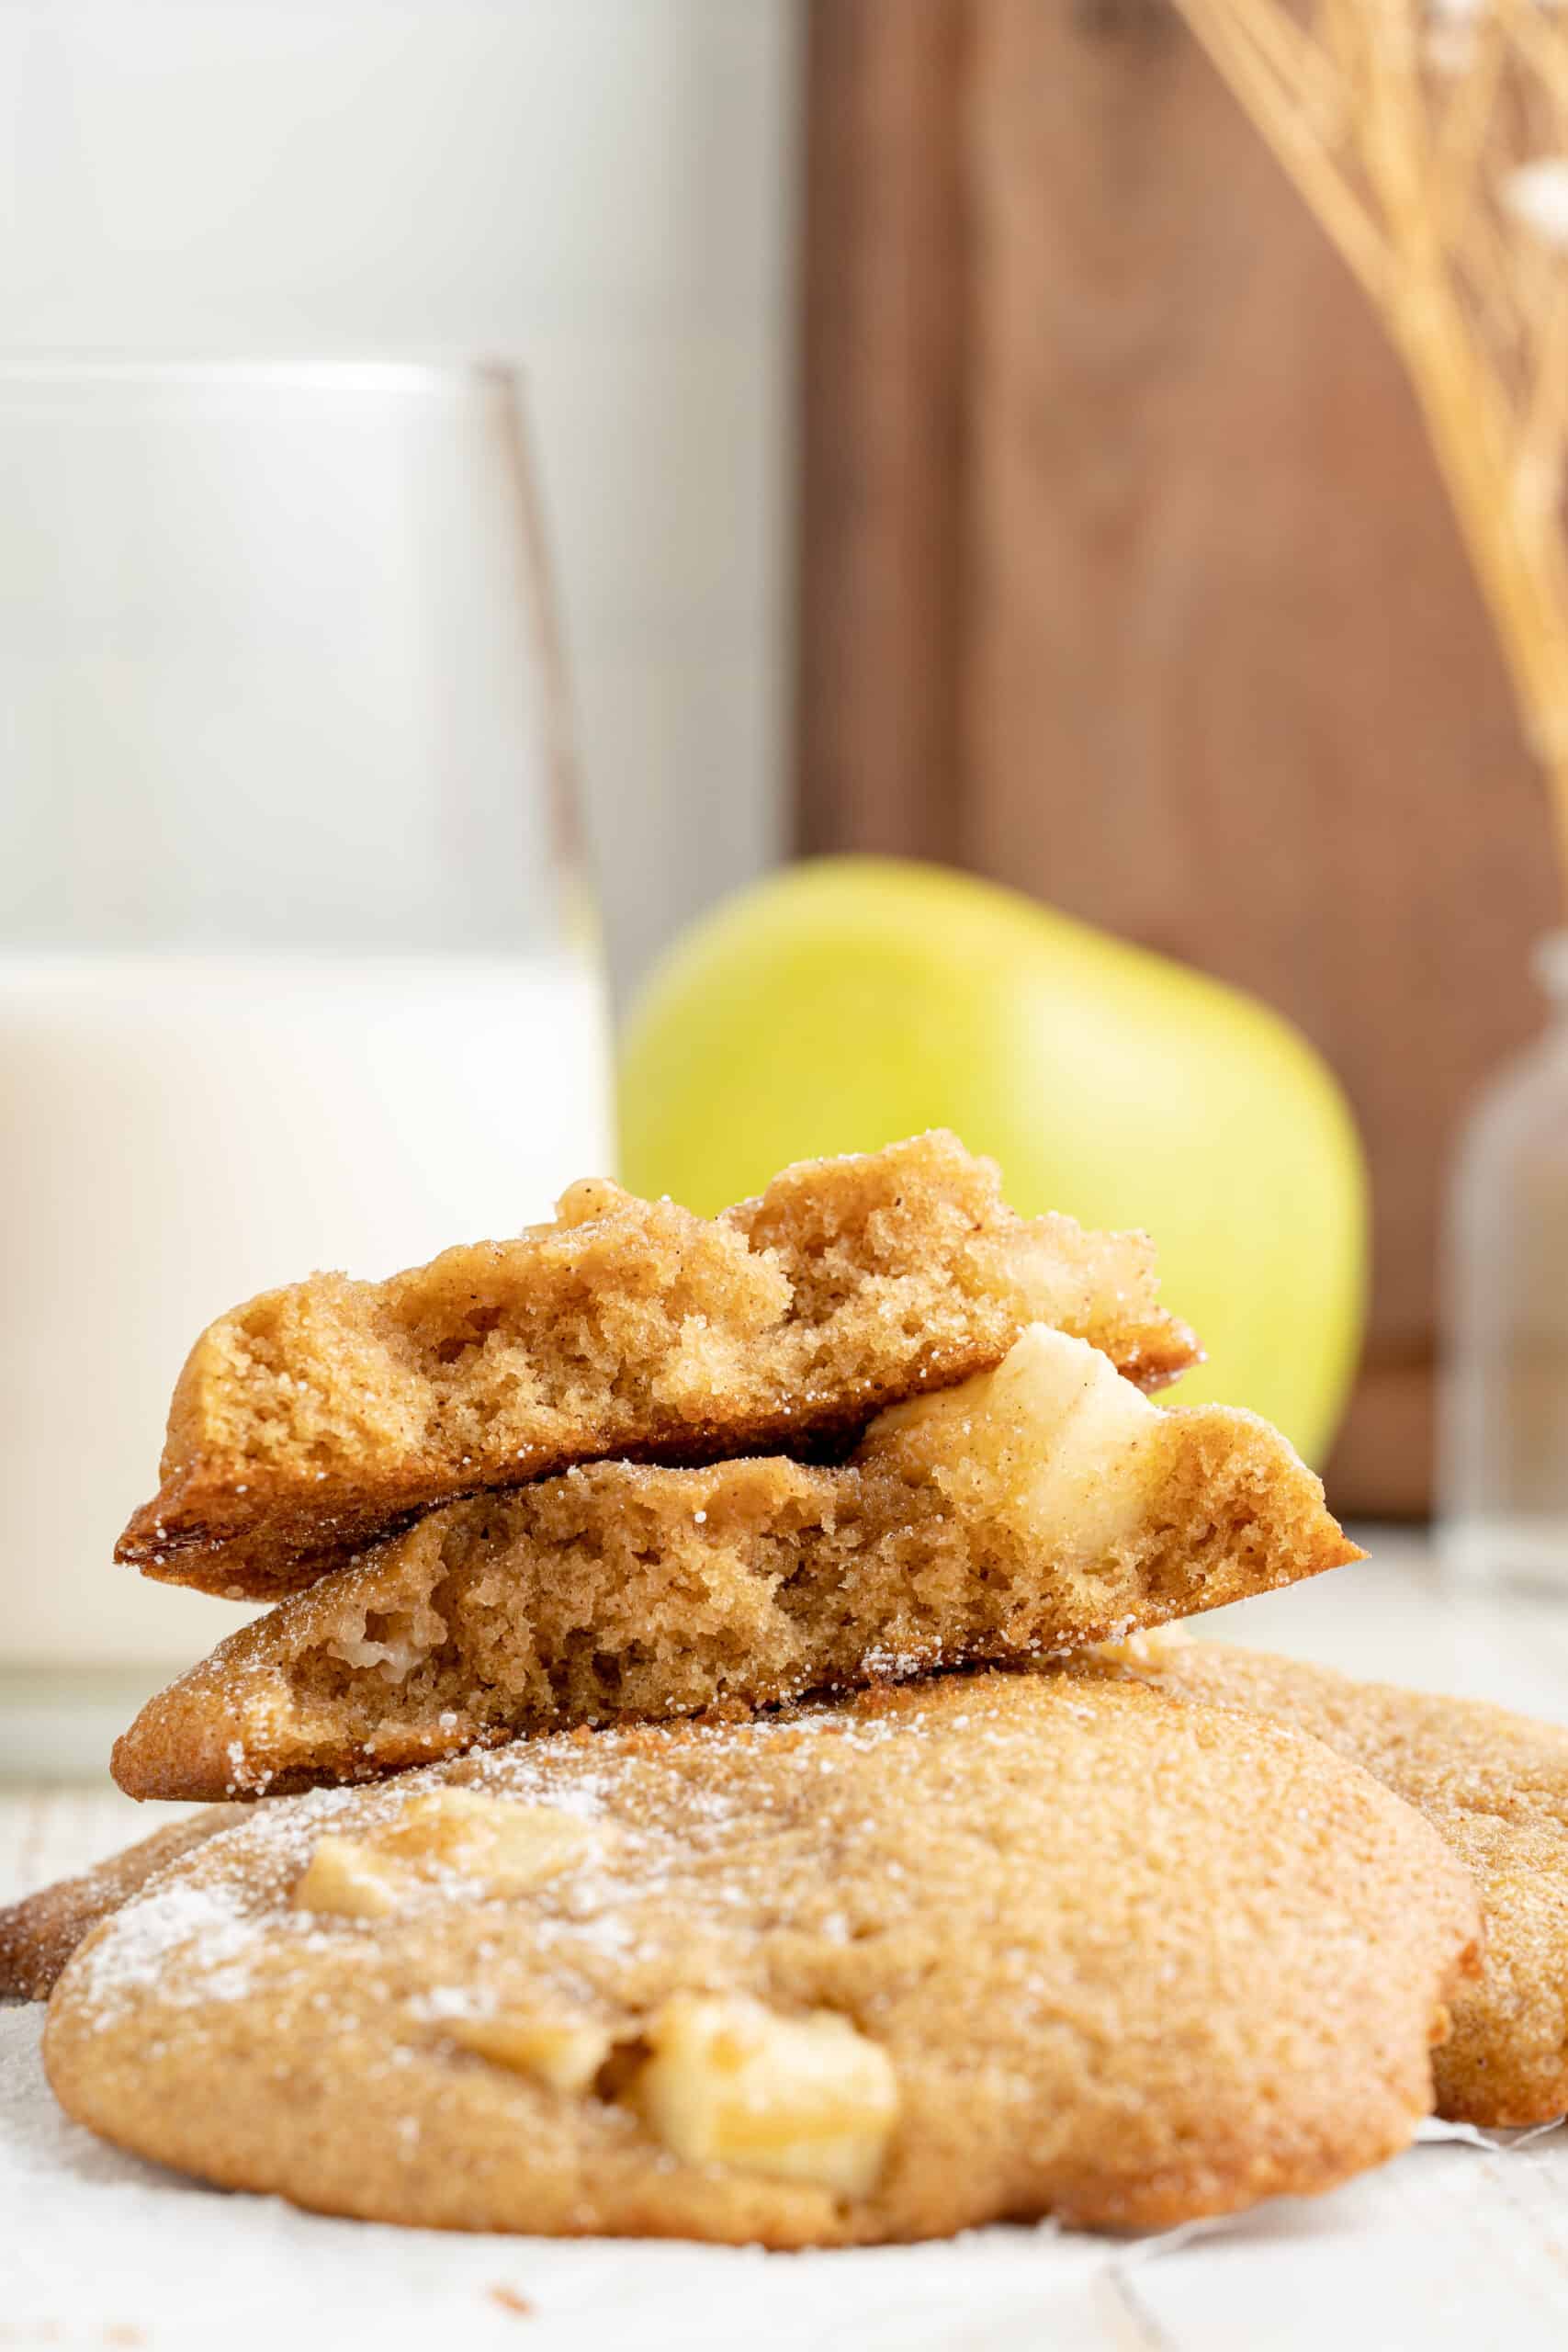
(706,1769)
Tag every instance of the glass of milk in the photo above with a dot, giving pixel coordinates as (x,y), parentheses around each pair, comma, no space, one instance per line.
(297,958)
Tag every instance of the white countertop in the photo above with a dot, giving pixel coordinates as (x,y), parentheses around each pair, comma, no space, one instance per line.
(1450,2246)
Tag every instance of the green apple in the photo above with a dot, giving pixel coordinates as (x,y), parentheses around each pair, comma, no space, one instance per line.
(847,1001)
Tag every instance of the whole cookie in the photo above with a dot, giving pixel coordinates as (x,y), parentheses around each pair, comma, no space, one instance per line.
(1495,1785)
(989,1946)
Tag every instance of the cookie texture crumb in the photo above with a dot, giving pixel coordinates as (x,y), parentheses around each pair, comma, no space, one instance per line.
(320,1417)
(1027,1512)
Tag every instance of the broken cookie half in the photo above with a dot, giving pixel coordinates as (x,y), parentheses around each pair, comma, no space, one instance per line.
(319,1418)
(1025,1513)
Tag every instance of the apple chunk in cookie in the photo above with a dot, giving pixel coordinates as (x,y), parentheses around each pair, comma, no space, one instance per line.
(1027,1512)
(500,1849)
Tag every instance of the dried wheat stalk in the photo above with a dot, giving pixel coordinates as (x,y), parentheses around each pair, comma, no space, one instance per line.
(1431,139)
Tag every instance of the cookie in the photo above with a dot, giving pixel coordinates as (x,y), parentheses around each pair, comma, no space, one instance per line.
(320,1417)
(38,1934)
(1030,1509)
(1494,1785)
(988,1946)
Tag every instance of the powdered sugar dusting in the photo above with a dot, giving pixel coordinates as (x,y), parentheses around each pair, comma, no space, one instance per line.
(149,1933)
(221,1927)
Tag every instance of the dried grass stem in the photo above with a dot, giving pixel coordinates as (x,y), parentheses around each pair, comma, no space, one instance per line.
(1402,128)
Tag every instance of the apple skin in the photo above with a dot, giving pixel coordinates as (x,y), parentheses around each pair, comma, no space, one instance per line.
(847,1001)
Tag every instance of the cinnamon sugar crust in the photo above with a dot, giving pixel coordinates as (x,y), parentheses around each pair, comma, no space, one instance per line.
(1494,1785)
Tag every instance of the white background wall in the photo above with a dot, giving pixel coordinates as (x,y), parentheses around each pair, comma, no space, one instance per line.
(601,188)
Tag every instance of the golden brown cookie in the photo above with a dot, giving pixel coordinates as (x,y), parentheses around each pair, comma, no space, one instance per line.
(1029,1510)
(316,1418)
(38,1934)
(988,1946)
(1495,1786)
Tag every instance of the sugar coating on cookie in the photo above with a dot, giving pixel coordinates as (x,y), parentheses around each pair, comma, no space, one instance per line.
(39,1932)
(1494,1785)
(993,1946)
(1026,1512)
(315,1418)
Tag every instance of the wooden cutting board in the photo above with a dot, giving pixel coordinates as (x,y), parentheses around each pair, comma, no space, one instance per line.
(1126,578)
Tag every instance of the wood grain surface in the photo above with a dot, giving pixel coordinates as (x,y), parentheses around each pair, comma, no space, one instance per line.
(884,291)
(1127,578)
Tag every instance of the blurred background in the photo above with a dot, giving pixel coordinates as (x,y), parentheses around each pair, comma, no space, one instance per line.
(605,192)
(950,436)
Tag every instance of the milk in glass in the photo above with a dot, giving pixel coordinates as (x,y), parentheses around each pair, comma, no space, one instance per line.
(298,967)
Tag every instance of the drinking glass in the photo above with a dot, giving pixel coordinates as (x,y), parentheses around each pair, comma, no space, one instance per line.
(298,964)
